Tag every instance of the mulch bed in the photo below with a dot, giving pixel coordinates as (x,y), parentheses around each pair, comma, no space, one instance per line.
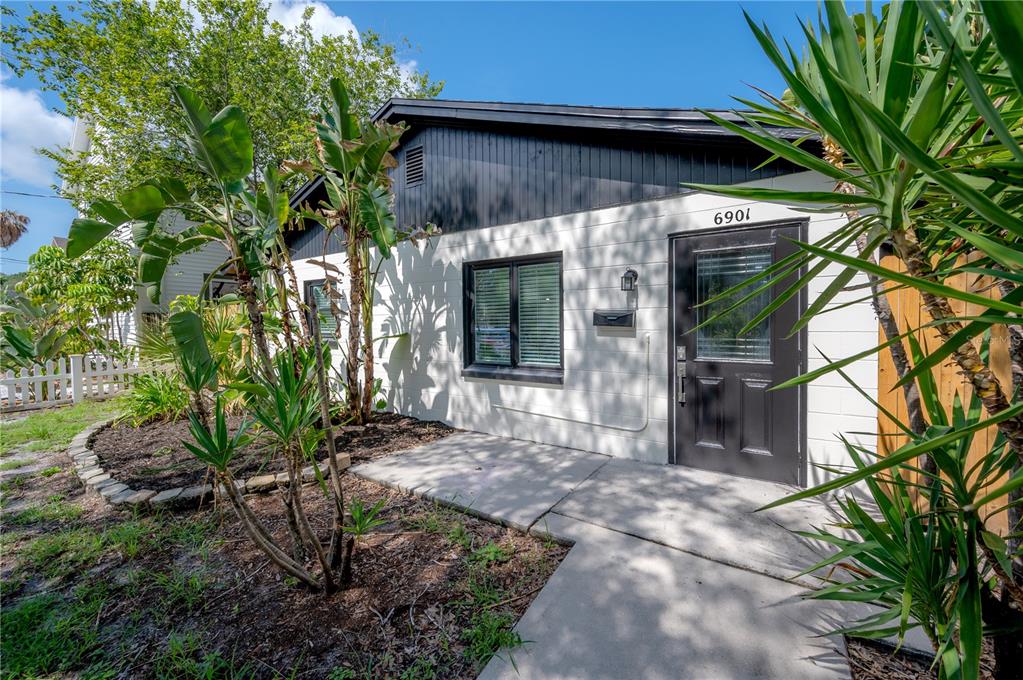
(152,456)
(870,660)
(410,605)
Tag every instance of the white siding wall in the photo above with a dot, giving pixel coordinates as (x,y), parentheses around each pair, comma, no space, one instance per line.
(606,375)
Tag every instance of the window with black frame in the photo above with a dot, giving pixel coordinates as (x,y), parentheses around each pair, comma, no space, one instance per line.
(514,319)
(328,322)
(219,286)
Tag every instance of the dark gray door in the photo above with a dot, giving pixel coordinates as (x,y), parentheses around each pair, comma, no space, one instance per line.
(725,418)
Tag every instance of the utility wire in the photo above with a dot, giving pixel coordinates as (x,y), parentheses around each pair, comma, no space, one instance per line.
(25,193)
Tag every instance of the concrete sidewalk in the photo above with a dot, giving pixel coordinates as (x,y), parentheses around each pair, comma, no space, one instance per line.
(671,573)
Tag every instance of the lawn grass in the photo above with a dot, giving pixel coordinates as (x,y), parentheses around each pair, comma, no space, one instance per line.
(54,430)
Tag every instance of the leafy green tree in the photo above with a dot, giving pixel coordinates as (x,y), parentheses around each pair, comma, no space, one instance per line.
(89,294)
(113,62)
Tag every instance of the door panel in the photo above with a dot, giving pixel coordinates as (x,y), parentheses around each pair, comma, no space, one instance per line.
(726,418)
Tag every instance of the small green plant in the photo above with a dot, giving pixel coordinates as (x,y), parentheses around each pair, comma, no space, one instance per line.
(15,464)
(422,669)
(488,635)
(491,553)
(182,590)
(50,471)
(59,554)
(461,536)
(364,519)
(155,396)
(55,509)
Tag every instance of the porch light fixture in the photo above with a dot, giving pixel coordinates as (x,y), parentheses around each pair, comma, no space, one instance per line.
(629,279)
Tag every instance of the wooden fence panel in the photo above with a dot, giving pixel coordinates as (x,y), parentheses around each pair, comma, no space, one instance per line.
(909,312)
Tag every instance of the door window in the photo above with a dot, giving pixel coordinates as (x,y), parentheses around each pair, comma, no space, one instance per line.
(716,272)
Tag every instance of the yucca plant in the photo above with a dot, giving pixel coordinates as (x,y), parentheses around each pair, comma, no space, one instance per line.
(915,117)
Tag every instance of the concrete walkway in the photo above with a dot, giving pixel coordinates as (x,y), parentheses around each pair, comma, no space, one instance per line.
(671,573)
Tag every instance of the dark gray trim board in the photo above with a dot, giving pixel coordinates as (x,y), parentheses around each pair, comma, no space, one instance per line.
(670,121)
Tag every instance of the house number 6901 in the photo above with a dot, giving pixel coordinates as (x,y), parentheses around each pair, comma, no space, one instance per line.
(732,216)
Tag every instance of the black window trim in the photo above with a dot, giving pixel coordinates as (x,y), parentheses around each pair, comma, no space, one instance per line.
(223,278)
(307,289)
(536,374)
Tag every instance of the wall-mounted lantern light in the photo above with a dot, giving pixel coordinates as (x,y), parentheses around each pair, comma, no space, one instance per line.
(629,279)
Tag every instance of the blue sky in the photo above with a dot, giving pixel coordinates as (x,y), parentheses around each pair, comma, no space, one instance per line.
(670,54)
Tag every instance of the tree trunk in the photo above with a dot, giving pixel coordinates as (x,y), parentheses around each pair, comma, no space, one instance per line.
(248,291)
(261,537)
(367,346)
(355,303)
(336,533)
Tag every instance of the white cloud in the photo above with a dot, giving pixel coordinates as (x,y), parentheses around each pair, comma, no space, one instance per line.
(323,21)
(26,124)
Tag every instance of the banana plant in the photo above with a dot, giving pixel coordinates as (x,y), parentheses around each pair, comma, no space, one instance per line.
(354,160)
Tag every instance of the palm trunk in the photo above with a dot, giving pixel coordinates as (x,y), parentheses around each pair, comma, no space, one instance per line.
(357,295)
(337,533)
(367,339)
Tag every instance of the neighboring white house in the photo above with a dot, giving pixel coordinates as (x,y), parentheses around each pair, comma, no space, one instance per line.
(556,305)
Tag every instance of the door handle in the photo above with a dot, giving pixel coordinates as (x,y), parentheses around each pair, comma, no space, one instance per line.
(680,374)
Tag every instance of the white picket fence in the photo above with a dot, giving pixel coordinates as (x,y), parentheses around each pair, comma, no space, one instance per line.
(65,381)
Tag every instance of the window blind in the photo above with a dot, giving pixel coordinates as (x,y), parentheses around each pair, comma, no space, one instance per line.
(492,316)
(540,314)
(328,325)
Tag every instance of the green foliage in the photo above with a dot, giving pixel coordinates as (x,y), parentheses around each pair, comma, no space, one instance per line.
(78,301)
(355,160)
(218,447)
(55,509)
(918,116)
(47,634)
(114,63)
(184,657)
(488,635)
(54,430)
(491,553)
(155,396)
(364,519)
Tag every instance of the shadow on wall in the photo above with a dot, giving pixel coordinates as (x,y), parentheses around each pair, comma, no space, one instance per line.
(417,316)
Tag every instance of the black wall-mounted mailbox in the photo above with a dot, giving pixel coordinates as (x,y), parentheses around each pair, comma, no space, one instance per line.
(614,318)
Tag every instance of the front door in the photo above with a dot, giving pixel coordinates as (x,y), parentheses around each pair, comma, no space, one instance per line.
(726,419)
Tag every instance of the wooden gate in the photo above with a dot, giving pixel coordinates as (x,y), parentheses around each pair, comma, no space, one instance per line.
(908,310)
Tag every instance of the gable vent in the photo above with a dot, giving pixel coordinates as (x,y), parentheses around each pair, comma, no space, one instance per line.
(414,166)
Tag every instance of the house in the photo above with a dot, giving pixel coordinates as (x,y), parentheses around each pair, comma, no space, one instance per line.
(556,305)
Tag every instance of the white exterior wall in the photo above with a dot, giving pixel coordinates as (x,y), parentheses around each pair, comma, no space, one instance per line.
(603,396)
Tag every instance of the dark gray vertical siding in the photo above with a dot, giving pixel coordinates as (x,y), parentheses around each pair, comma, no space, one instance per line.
(479,178)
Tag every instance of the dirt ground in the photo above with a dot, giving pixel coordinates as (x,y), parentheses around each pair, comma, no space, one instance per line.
(98,593)
(152,456)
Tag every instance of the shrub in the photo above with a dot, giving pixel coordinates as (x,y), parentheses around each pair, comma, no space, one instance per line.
(155,396)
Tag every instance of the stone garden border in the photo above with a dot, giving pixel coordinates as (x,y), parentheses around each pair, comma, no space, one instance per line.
(119,494)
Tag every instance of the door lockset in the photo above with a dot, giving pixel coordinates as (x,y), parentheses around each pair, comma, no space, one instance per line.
(680,374)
